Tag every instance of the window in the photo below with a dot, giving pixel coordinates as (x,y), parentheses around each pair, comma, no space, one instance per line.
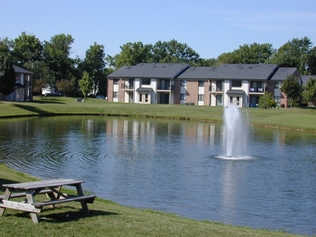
(164,84)
(218,85)
(201,83)
(182,96)
(145,81)
(183,82)
(115,94)
(115,81)
(236,83)
(201,97)
(277,85)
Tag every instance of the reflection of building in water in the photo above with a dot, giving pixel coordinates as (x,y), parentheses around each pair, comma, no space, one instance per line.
(124,131)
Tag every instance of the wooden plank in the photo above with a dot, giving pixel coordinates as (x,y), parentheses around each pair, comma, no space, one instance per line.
(19,206)
(30,201)
(6,196)
(43,183)
(22,194)
(87,198)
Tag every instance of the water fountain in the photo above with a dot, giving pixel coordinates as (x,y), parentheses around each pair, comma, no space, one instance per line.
(235,134)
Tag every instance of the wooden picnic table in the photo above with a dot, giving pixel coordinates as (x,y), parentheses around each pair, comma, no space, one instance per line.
(52,188)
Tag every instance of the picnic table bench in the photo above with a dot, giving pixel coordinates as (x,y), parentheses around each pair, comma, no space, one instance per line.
(52,188)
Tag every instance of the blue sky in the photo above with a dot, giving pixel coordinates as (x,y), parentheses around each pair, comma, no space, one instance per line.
(209,27)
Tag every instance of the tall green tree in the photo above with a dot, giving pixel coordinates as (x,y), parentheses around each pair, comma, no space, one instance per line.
(292,88)
(27,50)
(203,62)
(174,52)
(309,90)
(56,54)
(28,53)
(85,84)
(94,64)
(7,73)
(251,54)
(311,61)
(65,86)
(132,54)
(294,53)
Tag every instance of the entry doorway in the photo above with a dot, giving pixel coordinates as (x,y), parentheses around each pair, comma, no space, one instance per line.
(144,98)
(236,100)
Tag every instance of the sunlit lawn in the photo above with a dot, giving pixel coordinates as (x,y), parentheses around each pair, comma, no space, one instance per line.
(291,118)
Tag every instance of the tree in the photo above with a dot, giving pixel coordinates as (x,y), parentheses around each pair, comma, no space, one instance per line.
(110,61)
(250,54)
(38,85)
(27,50)
(7,73)
(132,54)
(292,88)
(65,86)
(173,52)
(309,91)
(294,53)
(85,84)
(56,55)
(94,64)
(206,62)
(311,61)
(266,101)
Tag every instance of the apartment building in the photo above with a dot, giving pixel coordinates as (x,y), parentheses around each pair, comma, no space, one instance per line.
(23,89)
(167,83)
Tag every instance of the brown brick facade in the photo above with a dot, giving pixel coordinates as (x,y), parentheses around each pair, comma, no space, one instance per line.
(192,92)
(110,90)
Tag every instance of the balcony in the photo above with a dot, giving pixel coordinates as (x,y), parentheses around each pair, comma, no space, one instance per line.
(127,87)
(166,88)
(254,89)
(214,89)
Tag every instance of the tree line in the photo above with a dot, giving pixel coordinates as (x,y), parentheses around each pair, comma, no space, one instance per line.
(52,64)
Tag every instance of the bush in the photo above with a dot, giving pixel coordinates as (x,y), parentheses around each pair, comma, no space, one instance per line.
(266,101)
(282,105)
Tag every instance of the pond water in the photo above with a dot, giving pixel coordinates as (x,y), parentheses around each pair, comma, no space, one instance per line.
(174,166)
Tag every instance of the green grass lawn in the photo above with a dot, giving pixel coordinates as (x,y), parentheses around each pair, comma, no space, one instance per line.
(107,218)
(288,118)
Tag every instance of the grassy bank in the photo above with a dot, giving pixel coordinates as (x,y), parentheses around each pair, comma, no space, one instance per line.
(107,218)
(289,118)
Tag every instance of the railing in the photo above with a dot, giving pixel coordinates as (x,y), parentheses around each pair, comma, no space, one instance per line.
(254,89)
(127,87)
(215,89)
(166,87)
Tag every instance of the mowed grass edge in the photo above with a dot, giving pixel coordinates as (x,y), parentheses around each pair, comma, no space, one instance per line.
(302,119)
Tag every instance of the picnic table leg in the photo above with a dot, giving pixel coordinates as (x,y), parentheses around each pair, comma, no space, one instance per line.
(7,195)
(84,205)
(30,200)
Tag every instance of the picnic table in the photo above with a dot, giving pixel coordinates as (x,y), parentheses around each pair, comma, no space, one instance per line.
(52,188)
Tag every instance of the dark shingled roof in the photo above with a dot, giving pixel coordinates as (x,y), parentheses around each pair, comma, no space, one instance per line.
(282,73)
(21,70)
(150,70)
(305,78)
(231,71)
